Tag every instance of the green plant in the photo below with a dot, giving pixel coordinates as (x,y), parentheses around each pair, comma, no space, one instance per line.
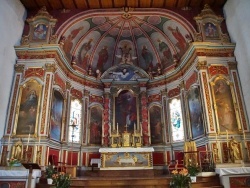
(50,170)
(180,179)
(193,170)
(61,180)
(13,161)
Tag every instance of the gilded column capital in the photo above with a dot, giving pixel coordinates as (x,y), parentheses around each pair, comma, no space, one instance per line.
(19,68)
(50,67)
(201,65)
(232,65)
(68,85)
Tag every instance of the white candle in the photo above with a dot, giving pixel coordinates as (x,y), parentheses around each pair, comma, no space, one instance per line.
(141,129)
(117,129)
(28,142)
(227,138)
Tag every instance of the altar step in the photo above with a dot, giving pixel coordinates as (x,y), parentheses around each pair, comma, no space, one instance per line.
(132,179)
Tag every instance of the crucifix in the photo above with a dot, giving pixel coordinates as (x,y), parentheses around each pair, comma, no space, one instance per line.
(126,126)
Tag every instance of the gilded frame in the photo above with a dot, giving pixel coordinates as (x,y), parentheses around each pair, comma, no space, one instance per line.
(95,125)
(225,106)
(118,117)
(195,112)
(27,109)
(56,117)
(156,125)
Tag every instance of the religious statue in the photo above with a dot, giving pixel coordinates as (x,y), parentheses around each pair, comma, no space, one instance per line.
(17,151)
(190,153)
(234,150)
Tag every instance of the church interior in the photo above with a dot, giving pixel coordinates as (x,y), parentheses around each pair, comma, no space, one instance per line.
(126,87)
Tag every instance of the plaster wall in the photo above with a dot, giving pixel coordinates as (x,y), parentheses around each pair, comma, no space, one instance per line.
(12,17)
(237,17)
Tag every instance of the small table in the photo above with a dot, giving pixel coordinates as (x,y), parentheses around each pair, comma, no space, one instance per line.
(95,161)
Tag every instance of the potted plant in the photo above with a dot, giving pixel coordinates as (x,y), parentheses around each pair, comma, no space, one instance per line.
(50,170)
(193,170)
(180,179)
(61,180)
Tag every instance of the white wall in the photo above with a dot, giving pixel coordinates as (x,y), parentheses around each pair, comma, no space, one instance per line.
(12,16)
(237,15)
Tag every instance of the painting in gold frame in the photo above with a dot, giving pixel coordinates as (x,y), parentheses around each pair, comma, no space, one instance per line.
(225,111)
(126,111)
(28,104)
(156,124)
(95,136)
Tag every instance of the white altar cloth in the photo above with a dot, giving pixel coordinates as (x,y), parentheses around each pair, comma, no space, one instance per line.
(126,149)
(96,161)
(19,174)
(232,171)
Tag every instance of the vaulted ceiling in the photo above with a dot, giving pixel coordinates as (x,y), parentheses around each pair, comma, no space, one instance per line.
(102,4)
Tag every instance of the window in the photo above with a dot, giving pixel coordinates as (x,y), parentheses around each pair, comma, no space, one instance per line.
(75,121)
(176,120)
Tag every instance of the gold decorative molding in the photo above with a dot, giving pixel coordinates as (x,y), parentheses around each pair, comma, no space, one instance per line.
(50,67)
(19,68)
(201,65)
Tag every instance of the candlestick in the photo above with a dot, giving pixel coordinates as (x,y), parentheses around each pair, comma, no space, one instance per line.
(134,128)
(8,149)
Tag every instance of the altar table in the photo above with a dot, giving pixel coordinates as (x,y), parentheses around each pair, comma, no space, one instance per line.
(18,175)
(126,158)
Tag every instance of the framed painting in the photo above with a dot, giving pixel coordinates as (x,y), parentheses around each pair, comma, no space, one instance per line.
(126,111)
(195,112)
(28,105)
(225,111)
(40,32)
(155,124)
(211,31)
(95,129)
(56,115)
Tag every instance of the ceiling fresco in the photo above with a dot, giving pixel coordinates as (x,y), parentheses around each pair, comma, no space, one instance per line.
(149,39)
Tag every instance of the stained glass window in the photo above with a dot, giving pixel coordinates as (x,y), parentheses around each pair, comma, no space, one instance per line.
(75,121)
(176,120)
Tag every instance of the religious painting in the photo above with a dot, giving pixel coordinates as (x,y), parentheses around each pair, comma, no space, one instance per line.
(155,125)
(226,116)
(40,32)
(195,112)
(211,31)
(28,105)
(125,111)
(56,115)
(75,121)
(95,136)
(176,120)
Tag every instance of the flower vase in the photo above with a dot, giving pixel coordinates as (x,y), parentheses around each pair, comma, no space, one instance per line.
(193,179)
(49,181)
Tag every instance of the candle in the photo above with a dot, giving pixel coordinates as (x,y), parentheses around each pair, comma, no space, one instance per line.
(134,128)
(141,129)
(227,138)
(244,135)
(28,142)
(117,129)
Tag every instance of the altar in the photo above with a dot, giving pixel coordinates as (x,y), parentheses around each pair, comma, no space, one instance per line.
(126,158)
(18,175)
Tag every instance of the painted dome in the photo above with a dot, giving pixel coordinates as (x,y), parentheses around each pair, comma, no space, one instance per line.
(146,38)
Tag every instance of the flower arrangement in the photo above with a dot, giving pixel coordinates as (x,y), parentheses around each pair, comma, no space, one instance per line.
(61,180)
(193,170)
(13,162)
(180,179)
(50,170)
